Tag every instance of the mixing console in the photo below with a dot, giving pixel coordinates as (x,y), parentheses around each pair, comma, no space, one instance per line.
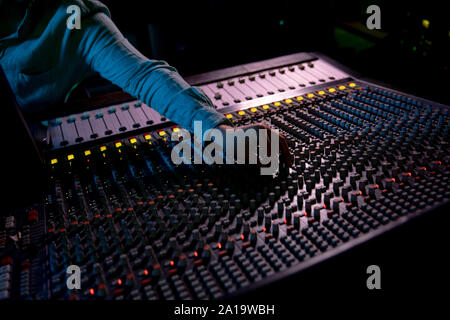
(229,88)
(367,159)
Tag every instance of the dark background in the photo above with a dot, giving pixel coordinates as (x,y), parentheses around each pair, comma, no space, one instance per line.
(203,35)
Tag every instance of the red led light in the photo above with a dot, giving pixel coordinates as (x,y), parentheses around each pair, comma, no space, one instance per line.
(242,236)
(196,254)
(172,263)
(146,272)
(91,291)
(219,245)
(119,282)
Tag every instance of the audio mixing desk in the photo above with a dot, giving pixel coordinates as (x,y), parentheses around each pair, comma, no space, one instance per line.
(367,159)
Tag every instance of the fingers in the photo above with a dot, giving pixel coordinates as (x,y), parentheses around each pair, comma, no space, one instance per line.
(285,153)
(284,147)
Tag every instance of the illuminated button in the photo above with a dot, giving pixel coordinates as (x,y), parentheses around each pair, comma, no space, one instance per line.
(241,113)
(425,23)
(103,148)
(253,109)
(70,157)
(352,85)
(133,140)
(162,133)
(229,116)
(265,107)
(87,153)
(54,161)
(299,98)
(176,129)
(341,87)
(277,104)
(118,144)
(147,136)
(332,89)
(321,92)
(288,100)
(310,95)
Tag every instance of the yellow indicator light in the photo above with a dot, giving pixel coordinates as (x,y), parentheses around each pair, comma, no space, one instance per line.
(103,148)
(341,87)
(332,89)
(351,85)
(147,137)
(229,116)
(162,133)
(288,100)
(70,157)
(310,95)
(299,98)
(321,92)
(118,144)
(87,153)
(265,107)
(425,23)
(241,113)
(54,161)
(133,140)
(277,104)
(253,109)
(176,129)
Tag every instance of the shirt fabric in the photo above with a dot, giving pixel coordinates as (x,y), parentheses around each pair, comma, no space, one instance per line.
(43,60)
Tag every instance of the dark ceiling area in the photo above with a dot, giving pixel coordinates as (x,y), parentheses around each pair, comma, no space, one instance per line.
(409,52)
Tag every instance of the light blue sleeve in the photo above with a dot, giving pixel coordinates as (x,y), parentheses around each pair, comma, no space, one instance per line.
(155,83)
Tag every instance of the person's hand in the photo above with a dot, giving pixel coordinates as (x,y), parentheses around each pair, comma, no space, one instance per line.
(285,154)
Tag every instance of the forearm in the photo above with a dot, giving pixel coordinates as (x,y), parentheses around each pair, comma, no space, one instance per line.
(154,82)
